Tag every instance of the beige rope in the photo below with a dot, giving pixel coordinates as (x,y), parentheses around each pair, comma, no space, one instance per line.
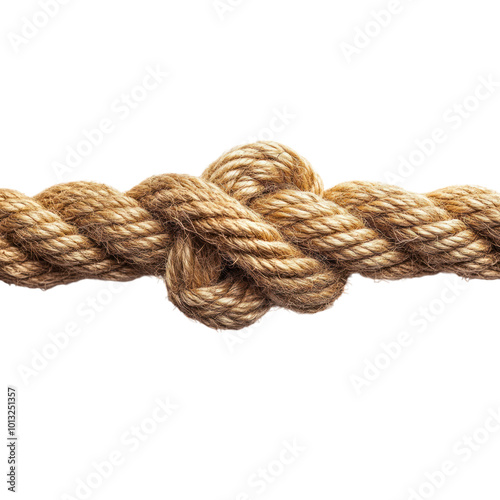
(256,230)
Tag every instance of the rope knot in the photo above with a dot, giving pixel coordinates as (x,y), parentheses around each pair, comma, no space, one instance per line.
(228,265)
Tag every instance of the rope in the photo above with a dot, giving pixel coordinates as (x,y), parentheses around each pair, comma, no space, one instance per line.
(256,230)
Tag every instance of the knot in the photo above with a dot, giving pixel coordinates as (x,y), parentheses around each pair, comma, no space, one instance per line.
(228,264)
(256,230)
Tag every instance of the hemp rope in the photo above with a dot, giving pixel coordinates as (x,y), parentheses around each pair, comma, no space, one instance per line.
(256,230)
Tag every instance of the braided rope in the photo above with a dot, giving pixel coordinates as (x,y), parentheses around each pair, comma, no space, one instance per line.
(256,230)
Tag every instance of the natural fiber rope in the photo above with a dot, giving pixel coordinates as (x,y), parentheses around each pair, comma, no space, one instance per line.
(256,230)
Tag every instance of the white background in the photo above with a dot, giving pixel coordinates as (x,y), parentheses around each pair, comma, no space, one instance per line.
(292,377)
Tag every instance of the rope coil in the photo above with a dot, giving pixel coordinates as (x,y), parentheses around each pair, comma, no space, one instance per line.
(256,230)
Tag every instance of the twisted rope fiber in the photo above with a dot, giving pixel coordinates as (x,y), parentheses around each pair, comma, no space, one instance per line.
(256,230)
